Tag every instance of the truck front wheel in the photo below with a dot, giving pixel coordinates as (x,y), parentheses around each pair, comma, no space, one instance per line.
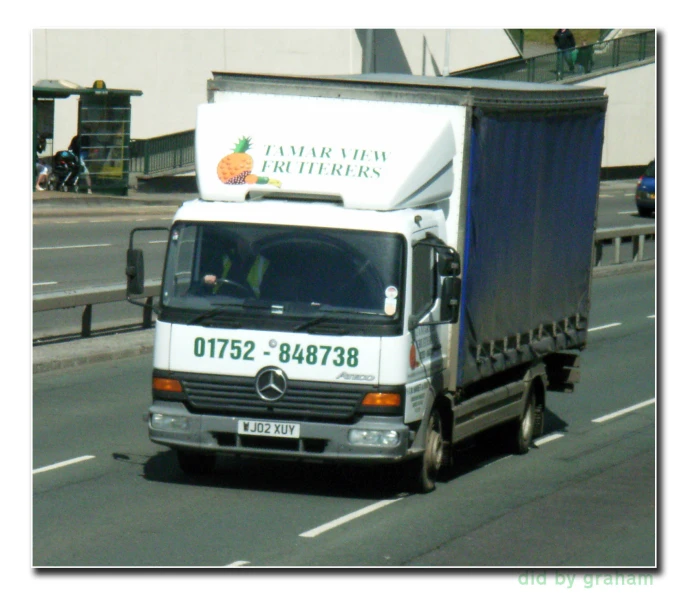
(525,427)
(195,463)
(422,472)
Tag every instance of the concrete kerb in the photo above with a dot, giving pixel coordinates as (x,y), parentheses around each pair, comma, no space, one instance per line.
(72,354)
(52,203)
(623,269)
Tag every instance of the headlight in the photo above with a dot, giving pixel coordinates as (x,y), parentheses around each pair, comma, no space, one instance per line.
(171,423)
(374,437)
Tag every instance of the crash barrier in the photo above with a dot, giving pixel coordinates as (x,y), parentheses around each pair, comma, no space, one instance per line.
(87,298)
(615,239)
(623,249)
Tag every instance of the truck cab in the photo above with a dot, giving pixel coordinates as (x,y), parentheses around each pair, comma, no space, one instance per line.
(302,314)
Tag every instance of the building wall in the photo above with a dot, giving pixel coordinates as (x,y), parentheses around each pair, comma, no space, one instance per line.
(630,128)
(467,48)
(171,66)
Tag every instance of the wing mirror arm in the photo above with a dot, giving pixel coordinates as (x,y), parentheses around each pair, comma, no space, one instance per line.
(134,270)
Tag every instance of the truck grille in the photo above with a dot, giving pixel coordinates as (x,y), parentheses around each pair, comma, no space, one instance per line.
(303,400)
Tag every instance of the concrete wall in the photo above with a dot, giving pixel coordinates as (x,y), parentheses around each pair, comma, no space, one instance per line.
(630,129)
(171,66)
(429,52)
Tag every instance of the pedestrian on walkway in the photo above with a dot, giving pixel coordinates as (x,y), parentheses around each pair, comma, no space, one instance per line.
(565,43)
(585,56)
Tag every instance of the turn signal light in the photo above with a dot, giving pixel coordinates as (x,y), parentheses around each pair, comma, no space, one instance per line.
(382,400)
(167,384)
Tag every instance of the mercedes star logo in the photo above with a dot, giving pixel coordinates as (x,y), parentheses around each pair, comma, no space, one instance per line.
(271,384)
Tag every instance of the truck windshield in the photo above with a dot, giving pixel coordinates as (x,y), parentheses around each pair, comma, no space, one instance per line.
(296,278)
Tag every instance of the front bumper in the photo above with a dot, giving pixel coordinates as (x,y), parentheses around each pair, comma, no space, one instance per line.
(317,440)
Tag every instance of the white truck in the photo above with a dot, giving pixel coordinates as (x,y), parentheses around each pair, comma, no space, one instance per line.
(377,268)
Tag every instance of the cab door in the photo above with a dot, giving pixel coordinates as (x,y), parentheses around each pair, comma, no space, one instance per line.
(428,338)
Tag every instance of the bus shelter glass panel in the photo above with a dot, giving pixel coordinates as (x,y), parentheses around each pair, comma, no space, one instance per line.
(104,128)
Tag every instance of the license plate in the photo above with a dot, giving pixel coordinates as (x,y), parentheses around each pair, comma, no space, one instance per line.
(277,429)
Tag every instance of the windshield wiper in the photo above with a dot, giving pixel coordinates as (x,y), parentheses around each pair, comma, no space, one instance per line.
(230,308)
(334,328)
(209,314)
(333,315)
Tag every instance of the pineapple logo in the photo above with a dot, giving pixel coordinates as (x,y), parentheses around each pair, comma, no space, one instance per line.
(236,167)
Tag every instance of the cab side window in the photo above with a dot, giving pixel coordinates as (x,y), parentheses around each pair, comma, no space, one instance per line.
(424,279)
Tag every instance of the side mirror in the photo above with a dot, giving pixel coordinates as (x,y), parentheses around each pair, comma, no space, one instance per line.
(134,271)
(450,299)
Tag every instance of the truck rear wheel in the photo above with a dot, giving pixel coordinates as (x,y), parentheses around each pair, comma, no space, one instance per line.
(422,472)
(195,463)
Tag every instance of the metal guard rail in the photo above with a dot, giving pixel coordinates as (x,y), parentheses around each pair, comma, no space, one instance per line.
(162,155)
(87,298)
(606,55)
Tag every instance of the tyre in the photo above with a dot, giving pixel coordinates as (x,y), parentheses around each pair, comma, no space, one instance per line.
(196,463)
(645,212)
(422,472)
(539,421)
(525,427)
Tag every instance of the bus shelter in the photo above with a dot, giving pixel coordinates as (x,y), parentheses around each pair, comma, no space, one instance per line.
(103,129)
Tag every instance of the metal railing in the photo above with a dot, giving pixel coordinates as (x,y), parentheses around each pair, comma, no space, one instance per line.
(87,298)
(635,237)
(168,154)
(628,246)
(517,37)
(547,68)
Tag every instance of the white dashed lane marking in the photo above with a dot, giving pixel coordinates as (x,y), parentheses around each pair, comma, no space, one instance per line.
(347,518)
(621,412)
(605,326)
(63,464)
(73,247)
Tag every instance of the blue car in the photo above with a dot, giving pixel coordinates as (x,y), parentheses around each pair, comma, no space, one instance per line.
(645,191)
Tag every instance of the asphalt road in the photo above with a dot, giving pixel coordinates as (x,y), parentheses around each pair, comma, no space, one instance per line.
(103,495)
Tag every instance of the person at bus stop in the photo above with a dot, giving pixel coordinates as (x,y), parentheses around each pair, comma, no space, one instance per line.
(42,170)
(76,147)
(42,173)
(565,43)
